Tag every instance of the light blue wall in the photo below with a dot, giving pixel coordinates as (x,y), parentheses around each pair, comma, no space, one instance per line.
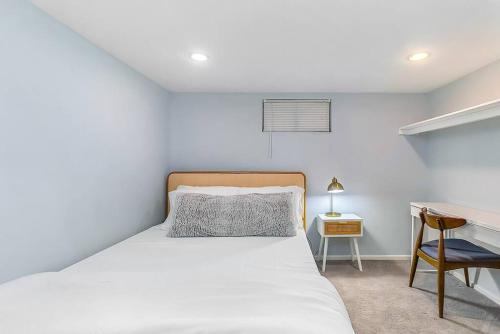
(86,143)
(464,161)
(475,88)
(83,145)
(381,171)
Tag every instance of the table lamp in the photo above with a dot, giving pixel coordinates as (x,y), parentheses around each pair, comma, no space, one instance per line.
(334,187)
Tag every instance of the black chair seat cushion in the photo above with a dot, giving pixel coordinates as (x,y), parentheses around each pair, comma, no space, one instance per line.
(459,250)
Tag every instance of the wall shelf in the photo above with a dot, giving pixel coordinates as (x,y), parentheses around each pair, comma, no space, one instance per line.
(472,114)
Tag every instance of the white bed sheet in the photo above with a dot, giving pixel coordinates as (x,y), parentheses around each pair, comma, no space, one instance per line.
(153,284)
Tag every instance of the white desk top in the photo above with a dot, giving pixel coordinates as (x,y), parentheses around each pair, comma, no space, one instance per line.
(343,217)
(487,219)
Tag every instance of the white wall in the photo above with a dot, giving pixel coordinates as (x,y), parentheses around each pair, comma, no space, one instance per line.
(381,171)
(83,145)
(464,162)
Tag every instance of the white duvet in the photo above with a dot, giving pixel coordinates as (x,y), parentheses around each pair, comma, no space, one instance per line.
(153,284)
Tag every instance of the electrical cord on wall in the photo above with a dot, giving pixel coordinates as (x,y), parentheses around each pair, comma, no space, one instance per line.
(270,143)
(270,146)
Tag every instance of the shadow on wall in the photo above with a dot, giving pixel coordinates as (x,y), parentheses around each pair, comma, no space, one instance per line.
(470,145)
(474,144)
(420,145)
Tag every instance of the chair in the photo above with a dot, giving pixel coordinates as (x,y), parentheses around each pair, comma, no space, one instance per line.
(449,254)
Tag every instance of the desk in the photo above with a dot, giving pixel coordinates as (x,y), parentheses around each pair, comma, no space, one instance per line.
(482,226)
(478,218)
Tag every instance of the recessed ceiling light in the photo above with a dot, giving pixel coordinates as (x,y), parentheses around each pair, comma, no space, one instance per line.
(418,56)
(199,57)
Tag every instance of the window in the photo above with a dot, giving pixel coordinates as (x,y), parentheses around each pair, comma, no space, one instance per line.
(296,115)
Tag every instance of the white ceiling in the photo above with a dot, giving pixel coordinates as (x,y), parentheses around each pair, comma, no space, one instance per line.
(291,45)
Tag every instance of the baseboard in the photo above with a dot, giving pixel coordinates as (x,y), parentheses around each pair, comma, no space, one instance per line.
(478,288)
(365,257)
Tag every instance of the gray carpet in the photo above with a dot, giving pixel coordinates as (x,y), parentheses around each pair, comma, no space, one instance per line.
(380,301)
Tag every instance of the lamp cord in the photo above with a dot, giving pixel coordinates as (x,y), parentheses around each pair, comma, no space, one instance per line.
(270,146)
(270,143)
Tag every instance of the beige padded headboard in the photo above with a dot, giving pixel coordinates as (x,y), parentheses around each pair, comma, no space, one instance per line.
(237,179)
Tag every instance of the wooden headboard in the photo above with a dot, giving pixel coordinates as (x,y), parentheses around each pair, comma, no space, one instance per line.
(237,179)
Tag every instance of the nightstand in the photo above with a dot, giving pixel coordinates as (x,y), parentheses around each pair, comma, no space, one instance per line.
(347,225)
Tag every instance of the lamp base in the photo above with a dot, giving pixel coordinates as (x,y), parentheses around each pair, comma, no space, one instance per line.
(333,214)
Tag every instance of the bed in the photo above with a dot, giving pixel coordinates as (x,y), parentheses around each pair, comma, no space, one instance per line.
(153,284)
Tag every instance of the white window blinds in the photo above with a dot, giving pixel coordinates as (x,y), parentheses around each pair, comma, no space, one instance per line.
(296,115)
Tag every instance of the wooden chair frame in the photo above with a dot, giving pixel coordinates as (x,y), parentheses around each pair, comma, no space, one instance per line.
(442,223)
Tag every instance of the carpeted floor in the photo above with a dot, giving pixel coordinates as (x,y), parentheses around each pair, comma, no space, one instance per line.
(380,301)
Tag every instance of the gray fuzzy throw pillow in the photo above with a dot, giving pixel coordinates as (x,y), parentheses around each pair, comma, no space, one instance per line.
(201,215)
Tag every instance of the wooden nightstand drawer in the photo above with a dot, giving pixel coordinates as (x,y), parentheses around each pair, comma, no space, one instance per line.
(348,227)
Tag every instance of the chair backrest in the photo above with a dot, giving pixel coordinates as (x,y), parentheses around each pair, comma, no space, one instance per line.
(440,222)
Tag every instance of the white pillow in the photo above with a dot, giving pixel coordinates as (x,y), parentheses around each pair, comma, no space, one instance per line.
(228,191)
(298,194)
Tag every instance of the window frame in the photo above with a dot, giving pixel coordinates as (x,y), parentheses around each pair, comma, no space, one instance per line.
(329,101)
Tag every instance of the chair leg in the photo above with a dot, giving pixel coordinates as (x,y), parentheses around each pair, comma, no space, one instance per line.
(413,269)
(466,274)
(440,283)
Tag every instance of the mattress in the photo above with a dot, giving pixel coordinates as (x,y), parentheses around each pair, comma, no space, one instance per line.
(153,284)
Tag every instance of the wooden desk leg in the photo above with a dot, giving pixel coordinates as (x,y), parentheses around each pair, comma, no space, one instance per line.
(320,245)
(325,253)
(360,267)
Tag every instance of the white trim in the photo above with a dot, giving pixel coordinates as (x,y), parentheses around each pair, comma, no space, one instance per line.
(468,115)
(365,257)
(494,298)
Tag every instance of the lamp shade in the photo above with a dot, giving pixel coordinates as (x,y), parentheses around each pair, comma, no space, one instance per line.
(335,186)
